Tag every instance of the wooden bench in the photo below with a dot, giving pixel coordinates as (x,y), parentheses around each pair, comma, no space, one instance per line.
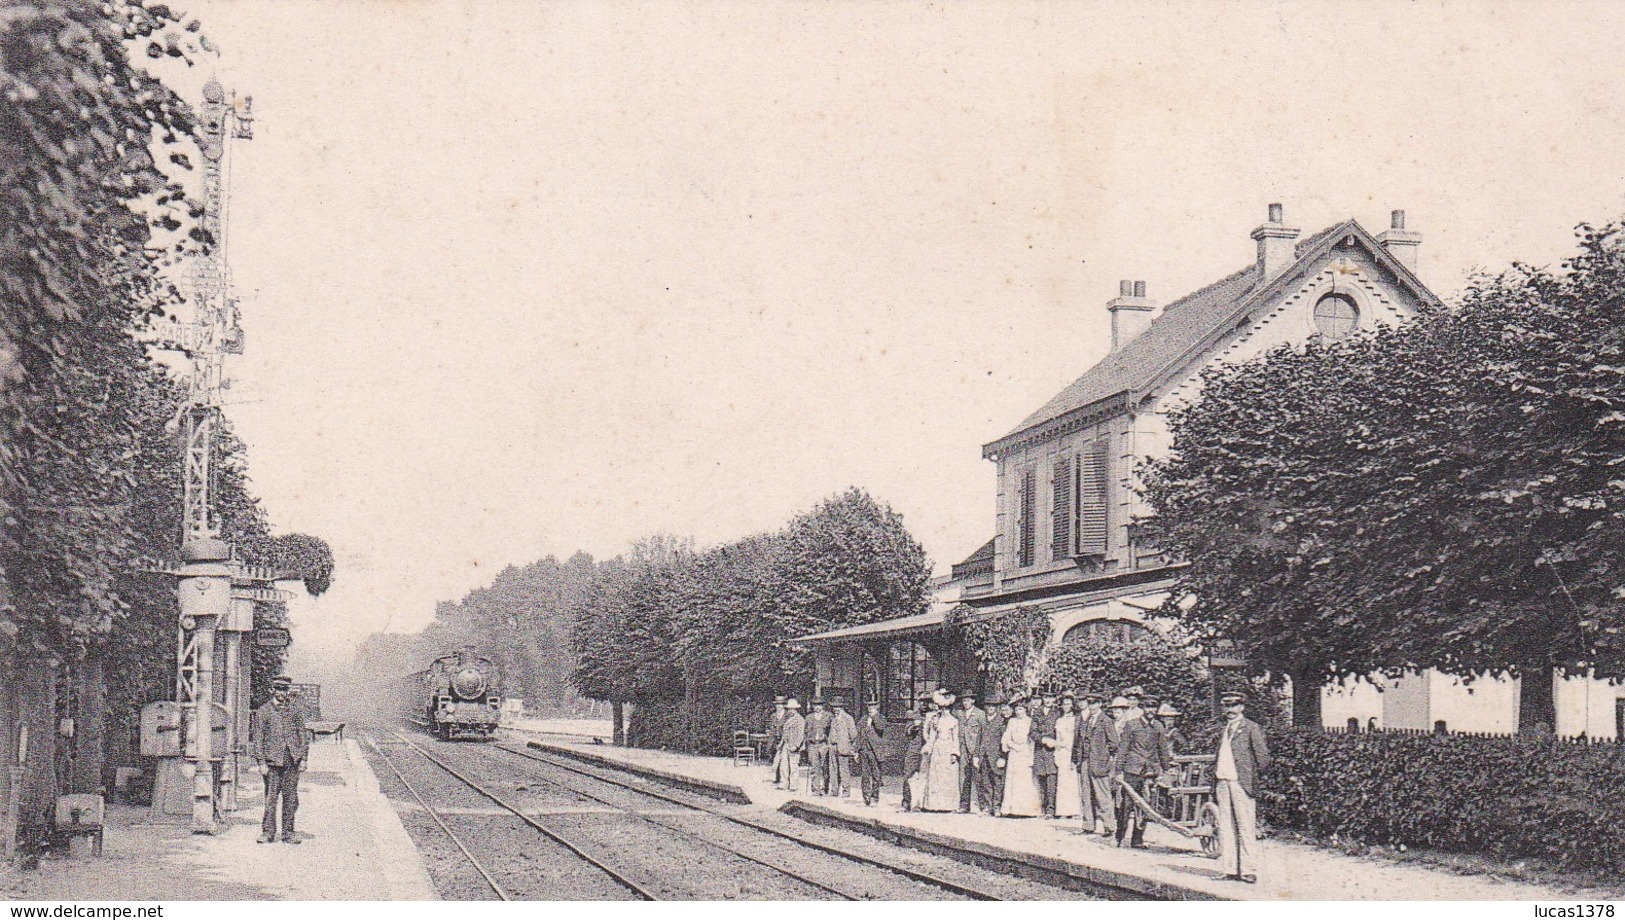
(336,729)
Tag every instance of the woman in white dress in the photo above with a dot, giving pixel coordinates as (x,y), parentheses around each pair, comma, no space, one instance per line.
(1068,790)
(1020,789)
(940,758)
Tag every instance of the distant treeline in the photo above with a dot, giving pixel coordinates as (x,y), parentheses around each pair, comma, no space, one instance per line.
(521,621)
(667,622)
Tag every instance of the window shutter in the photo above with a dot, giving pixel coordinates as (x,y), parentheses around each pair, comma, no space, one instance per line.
(1061,539)
(1093,466)
(1028,526)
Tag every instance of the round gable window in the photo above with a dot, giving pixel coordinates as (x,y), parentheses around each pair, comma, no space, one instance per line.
(1336,316)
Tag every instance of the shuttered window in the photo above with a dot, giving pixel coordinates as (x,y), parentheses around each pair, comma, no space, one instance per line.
(1026,521)
(1061,516)
(1093,467)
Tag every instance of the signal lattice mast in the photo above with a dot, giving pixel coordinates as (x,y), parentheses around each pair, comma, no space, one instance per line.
(215,592)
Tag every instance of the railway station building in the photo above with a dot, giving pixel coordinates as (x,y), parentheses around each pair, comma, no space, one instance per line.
(1064,538)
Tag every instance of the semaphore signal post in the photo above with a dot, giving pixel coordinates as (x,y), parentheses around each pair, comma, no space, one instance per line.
(216,593)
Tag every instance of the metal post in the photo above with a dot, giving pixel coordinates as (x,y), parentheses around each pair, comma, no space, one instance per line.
(229,774)
(203,717)
(205,601)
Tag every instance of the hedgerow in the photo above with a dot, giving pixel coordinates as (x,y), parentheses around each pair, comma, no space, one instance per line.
(1509,798)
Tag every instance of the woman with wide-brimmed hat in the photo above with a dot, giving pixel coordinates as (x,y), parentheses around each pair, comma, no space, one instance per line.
(940,766)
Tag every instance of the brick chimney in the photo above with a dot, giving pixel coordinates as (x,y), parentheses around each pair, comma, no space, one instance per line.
(1131,312)
(1400,243)
(1276,249)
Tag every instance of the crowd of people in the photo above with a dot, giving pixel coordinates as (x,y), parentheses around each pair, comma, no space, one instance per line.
(1072,755)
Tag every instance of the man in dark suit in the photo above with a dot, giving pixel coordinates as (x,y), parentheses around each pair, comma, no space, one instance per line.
(871,748)
(1099,760)
(1141,755)
(998,714)
(973,774)
(1242,755)
(279,745)
(913,749)
(1043,737)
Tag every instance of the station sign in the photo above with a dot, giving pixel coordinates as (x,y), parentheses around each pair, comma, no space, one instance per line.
(272,637)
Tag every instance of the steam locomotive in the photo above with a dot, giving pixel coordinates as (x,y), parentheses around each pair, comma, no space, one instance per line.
(458,696)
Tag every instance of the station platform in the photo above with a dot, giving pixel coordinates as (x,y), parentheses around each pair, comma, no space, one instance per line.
(353,848)
(1169,867)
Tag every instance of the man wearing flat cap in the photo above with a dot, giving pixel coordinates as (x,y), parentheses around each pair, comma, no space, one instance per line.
(278,745)
(1243,754)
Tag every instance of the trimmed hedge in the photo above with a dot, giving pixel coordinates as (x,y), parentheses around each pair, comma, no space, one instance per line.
(1557,801)
(703,725)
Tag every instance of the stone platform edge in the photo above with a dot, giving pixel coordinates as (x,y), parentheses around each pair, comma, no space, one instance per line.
(1047,869)
(401,865)
(726,792)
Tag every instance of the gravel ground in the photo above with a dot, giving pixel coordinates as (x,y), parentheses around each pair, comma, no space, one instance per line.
(668,865)
(526,863)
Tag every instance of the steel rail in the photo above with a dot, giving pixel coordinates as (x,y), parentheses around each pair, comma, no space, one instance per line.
(687,833)
(500,892)
(546,831)
(909,872)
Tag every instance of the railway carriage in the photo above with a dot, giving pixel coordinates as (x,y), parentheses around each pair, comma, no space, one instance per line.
(458,696)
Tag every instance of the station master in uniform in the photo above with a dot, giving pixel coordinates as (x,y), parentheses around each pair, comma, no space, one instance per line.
(279,744)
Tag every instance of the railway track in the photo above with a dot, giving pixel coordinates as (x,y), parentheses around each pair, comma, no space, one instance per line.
(584,854)
(691,864)
(440,822)
(703,841)
(1009,888)
(652,843)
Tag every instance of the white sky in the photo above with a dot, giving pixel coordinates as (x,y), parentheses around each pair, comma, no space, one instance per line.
(524,278)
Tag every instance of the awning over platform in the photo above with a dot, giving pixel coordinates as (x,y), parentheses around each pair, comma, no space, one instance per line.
(885,629)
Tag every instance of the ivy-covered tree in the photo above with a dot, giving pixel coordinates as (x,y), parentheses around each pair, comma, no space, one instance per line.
(1108,665)
(1446,494)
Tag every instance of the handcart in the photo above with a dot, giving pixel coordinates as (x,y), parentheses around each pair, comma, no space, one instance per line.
(1182,801)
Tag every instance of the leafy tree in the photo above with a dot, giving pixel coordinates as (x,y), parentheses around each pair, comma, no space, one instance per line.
(700,639)
(1445,494)
(847,562)
(89,225)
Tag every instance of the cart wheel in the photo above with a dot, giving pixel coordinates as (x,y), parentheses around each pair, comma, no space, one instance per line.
(1207,827)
